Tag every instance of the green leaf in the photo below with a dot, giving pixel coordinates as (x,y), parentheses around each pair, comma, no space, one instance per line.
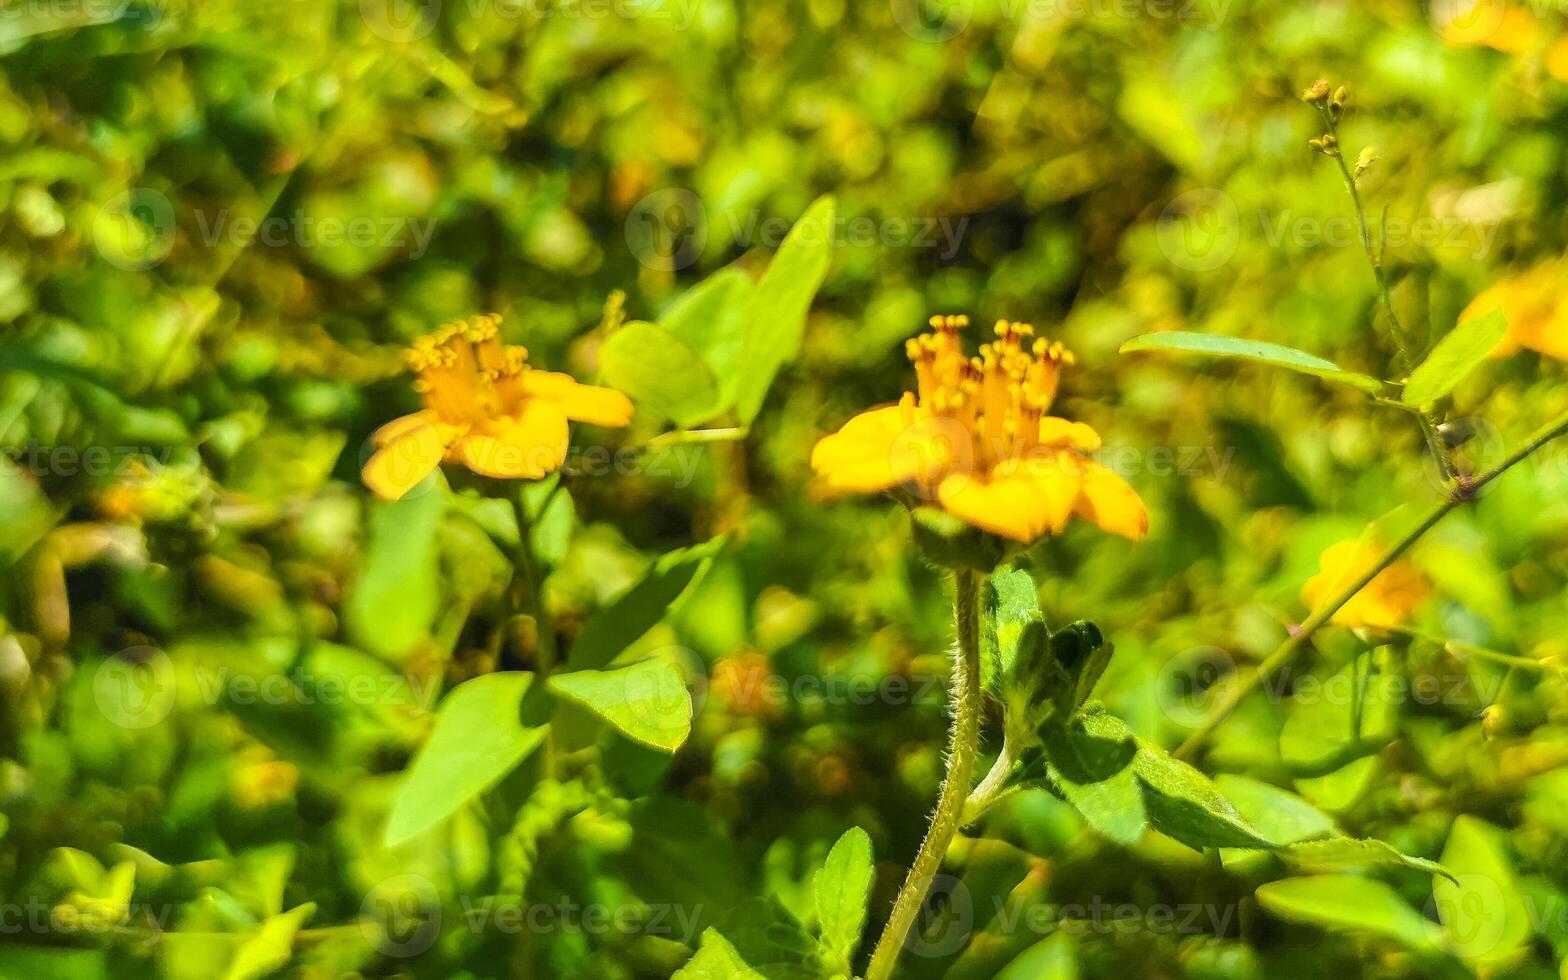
(1261,351)
(270,947)
(716,959)
(777,318)
(617,626)
(1090,762)
(1185,805)
(1009,603)
(1455,356)
(658,371)
(55,963)
(647,702)
(1351,852)
(397,595)
(841,889)
(710,318)
(1278,814)
(1349,904)
(1482,908)
(478,738)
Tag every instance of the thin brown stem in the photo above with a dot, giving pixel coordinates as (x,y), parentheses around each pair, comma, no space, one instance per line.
(1282,656)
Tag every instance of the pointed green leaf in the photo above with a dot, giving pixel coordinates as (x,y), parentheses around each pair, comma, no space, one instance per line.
(647,702)
(777,319)
(478,738)
(716,959)
(1009,603)
(1351,852)
(841,889)
(710,318)
(658,371)
(617,626)
(270,947)
(1482,909)
(1278,814)
(1261,351)
(1185,805)
(1455,356)
(1349,904)
(1090,762)
(397,595)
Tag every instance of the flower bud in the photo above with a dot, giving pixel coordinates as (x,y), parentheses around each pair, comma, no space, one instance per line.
(1317,94)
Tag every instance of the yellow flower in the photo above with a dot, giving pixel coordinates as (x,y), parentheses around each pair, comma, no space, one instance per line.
(1535,305)
(1386,601)
(976,439)
(484,408)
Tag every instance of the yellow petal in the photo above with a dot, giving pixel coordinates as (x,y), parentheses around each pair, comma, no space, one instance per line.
(1015,505)
(1108,501)
(1390,599)
(524,447)
(890,446)
(584,403)
(1058,479)
(406,456)
(1063,432)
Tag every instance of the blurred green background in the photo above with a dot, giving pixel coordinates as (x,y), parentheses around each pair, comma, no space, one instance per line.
(220,223)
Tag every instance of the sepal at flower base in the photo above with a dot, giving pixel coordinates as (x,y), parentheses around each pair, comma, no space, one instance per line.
(948,541)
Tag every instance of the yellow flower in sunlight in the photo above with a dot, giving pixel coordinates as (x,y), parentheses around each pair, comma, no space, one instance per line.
(976,439)
(1386,601)
(1535,305)
(484,408)
(1506,27)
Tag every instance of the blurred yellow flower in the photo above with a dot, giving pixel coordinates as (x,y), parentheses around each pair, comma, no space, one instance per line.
(1535,305)
(977,440)
(484,408)
(1386,601)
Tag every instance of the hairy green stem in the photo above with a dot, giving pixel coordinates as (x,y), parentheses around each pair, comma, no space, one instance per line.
(1275,661)
(992,788)
(955,785)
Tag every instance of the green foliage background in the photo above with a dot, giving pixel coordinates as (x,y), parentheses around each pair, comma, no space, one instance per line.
(185,408)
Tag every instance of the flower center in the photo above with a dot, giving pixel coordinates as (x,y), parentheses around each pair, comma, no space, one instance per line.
(465,374)
(999,396)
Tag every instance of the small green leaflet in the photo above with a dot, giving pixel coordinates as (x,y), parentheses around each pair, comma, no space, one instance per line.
(1349,904)
(1009,604)
(1261,351)
(716,959)
(397,595)
(478,738)
(841,889)
(1455,356)
(647,702)
(617,626)
(710,318)
(660,373)
(1481,908)
(778,309)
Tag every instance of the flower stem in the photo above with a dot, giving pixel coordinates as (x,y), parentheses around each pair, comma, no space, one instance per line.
(528,587)
(1274,662)
(1402,342)
(990,791)
(955,785)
